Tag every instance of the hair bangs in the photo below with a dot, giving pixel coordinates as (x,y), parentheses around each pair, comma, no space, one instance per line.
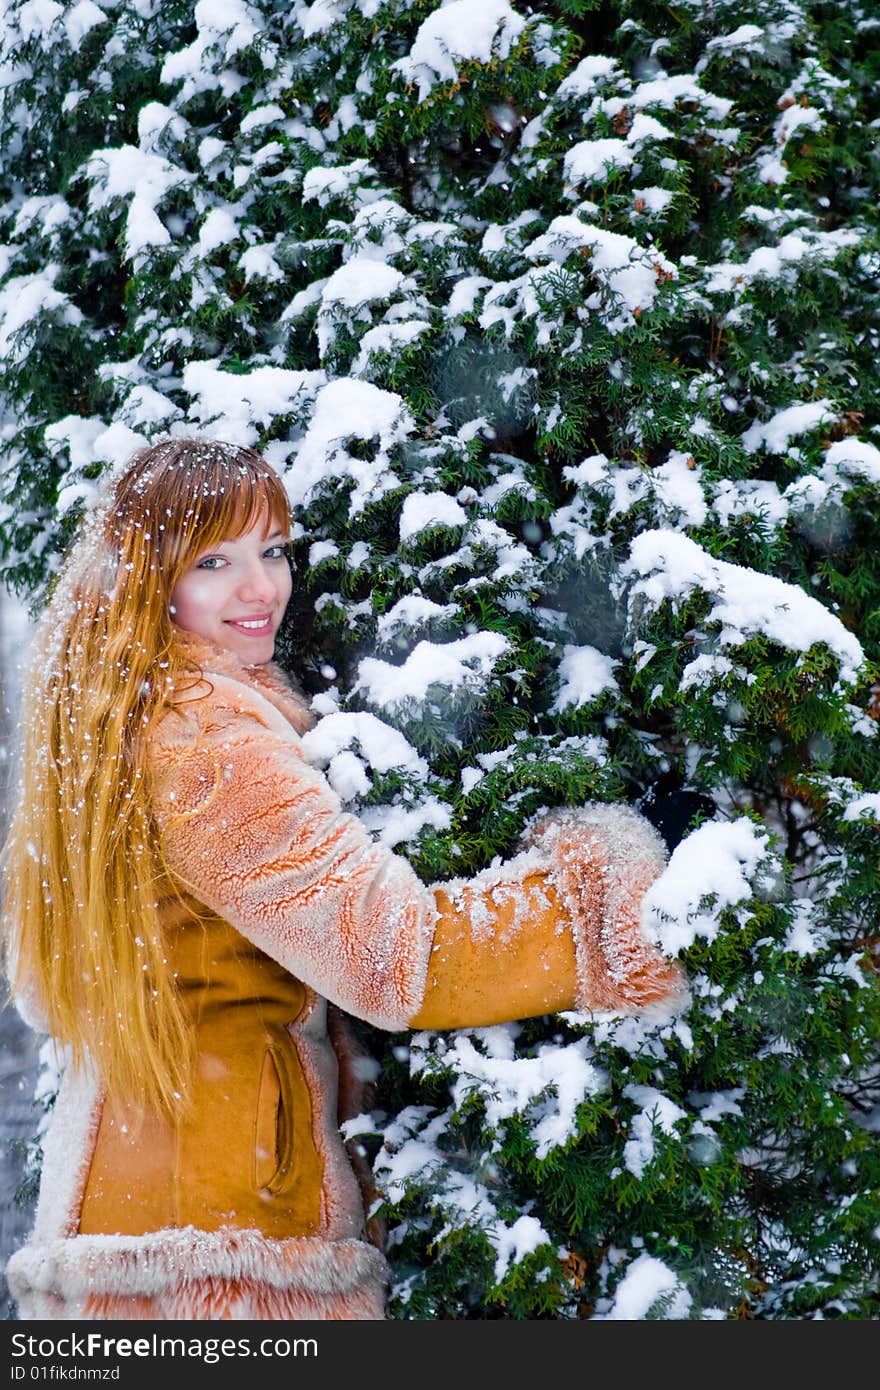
(185,495)
(264,500)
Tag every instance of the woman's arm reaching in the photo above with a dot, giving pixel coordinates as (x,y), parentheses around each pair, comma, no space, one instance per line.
(259,836)
(556,928)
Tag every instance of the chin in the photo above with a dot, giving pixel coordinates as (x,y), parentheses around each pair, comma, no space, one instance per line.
(251,650)
(255,654)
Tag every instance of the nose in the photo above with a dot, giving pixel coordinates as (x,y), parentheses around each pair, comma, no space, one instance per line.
(257,586)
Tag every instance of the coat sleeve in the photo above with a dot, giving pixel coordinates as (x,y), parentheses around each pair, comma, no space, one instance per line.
(558,927)
(259,836)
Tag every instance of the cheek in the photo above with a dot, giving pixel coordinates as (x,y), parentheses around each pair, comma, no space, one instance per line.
(193,599)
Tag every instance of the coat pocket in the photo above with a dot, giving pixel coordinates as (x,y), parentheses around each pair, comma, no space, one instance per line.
(274,1135)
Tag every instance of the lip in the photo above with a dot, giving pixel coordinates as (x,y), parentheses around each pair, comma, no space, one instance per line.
(264,618)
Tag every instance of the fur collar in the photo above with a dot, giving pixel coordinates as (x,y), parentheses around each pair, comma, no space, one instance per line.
(268,680)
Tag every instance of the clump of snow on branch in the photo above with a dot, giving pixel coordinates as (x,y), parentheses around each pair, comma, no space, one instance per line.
(465,664)
(232,406)
(381,746)
(465,30)
(346,410)
(715,867)
(585,673)
(649,1288)
(747,602)
(546,1088)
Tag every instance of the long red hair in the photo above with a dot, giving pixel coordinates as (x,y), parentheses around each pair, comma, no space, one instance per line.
(81,864)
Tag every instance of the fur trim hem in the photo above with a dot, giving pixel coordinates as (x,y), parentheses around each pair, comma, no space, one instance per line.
(199,1275)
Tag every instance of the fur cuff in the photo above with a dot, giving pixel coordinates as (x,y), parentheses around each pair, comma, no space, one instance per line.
(198,1275)
(604,858)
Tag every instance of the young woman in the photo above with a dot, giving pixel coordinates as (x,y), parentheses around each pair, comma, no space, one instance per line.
(188,909)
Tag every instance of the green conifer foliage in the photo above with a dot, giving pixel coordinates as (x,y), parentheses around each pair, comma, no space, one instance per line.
(561,324)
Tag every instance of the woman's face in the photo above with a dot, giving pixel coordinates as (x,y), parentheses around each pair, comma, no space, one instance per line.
(235,594)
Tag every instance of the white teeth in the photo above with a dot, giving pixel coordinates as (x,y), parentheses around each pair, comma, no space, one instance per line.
(262,622)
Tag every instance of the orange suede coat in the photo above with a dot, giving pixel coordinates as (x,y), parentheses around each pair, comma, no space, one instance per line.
(246,1204)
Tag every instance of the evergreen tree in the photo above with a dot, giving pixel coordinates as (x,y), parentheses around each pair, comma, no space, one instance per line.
(561,324)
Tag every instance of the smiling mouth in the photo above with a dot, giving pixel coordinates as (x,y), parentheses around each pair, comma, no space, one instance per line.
(250,624)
